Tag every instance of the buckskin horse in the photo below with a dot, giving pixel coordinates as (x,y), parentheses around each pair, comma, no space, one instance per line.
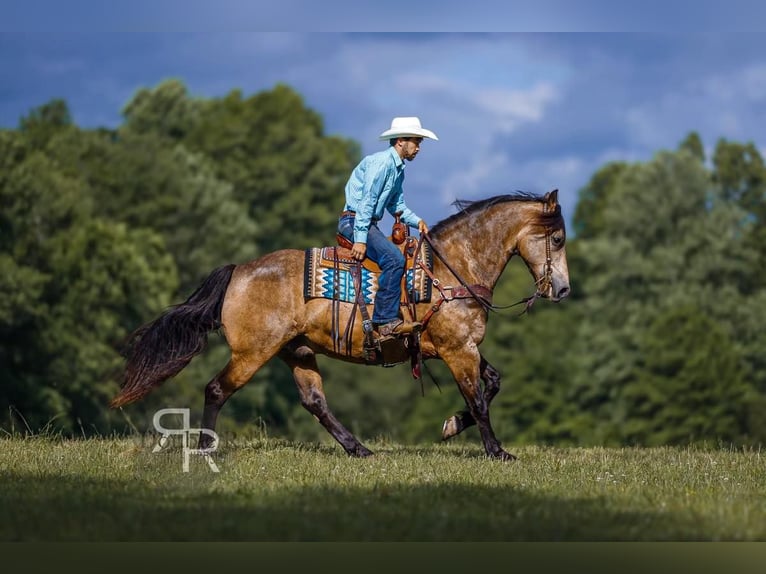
(261,310)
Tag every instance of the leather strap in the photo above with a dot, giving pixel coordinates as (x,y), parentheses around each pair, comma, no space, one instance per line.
(334,328)
(367,327)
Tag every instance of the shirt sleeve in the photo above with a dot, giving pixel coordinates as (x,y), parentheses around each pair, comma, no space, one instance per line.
(396,203)
(374,179)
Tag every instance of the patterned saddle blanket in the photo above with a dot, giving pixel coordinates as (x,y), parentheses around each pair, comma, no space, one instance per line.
(327,275)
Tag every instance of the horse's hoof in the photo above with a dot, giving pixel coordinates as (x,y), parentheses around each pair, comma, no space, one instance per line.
(361,452)
(504,456)
(452,426)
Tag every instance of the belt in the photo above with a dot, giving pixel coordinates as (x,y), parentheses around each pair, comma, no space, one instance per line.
(345,213)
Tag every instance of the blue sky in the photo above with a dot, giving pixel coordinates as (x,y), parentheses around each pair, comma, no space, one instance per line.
(526,111)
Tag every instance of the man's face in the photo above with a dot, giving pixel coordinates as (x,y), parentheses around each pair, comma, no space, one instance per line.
(410,147)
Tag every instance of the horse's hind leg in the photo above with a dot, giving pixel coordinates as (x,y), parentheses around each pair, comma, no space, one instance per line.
(302,362)
(232,377)
(464,419)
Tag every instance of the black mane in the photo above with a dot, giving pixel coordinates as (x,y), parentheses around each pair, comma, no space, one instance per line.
(468,207)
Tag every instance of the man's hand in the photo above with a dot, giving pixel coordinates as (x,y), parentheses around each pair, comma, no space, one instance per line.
(358,251)
(422,227)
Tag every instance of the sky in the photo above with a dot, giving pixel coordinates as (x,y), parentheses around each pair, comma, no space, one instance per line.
(519,110)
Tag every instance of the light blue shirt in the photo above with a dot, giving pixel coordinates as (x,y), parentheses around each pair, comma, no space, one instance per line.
(375,185)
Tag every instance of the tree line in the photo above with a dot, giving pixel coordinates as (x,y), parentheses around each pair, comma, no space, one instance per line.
(102,229)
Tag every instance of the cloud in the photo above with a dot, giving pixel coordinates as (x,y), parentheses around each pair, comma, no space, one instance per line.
(754,82)
(734,86)
(512,111)
(510,107)
(467,182)
(343,15)
(499,174)
(59,67)
(494,109)
(720,104)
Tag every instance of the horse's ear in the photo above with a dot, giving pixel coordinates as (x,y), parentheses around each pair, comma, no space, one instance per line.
(552,199)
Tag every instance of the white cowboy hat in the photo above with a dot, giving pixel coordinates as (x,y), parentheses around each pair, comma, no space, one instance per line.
(407,127)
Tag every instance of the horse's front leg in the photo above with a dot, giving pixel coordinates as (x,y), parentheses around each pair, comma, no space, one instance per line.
(464,419)
(465,366)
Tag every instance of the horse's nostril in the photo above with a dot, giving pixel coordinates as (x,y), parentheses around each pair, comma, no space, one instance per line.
(563,292)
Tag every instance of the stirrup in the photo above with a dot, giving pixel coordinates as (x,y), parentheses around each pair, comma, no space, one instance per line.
(397,328)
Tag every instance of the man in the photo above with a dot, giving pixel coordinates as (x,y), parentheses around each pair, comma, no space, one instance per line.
(375,185)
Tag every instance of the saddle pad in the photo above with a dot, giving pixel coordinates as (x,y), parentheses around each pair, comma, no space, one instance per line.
(330,254)
(322,280)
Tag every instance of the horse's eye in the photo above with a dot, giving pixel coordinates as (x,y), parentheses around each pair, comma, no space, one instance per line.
(558,239)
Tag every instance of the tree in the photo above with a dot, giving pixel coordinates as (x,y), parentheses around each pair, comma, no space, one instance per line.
(45,121)
(107,277)
(740,175)
(72,286)
(151,195)
(167,110)
(693,144)
(147,182)
(669,241)
(270,150)
(691,385)
(273,151)
(269,147)
(593,199)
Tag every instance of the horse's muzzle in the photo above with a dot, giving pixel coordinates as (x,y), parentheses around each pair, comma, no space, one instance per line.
(559,294)
(554,293)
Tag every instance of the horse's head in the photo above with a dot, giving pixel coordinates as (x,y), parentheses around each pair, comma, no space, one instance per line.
(541,245)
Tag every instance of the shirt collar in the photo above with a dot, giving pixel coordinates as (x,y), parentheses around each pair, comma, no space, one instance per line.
(398,162)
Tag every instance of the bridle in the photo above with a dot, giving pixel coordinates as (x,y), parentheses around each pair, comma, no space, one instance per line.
(545,282)
(542,285)
(481,294)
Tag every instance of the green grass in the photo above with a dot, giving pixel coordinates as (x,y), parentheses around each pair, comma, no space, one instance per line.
(270,490)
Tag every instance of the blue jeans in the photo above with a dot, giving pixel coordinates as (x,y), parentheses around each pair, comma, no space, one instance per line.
(391,263)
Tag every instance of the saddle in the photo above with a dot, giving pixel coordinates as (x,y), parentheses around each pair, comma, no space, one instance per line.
(328,270)
(400,236)
(333,273)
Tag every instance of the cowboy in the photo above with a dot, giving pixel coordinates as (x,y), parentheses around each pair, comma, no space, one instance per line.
(375,185)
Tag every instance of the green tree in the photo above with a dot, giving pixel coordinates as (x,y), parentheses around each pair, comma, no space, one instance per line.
(693,144)
(669,241)
(45,121)
(72,286)
(593,198)
(107,277)
(148,182)
(740,175)
(272,153)
(272,149)
(691,384)
(167,110)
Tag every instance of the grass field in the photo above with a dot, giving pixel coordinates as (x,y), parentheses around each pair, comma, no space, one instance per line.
(53,489)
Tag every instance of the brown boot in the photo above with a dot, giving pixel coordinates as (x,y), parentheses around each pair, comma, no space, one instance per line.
(397,327)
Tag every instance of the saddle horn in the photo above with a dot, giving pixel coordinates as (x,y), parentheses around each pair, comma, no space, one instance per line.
(399,231)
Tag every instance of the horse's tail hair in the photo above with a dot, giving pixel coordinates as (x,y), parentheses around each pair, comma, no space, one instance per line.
(161,348)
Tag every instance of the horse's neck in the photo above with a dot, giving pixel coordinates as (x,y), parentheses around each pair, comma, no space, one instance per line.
(478,248)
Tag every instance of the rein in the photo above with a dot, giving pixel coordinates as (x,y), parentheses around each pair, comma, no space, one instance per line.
(542,285)
(481,294)
(483,300)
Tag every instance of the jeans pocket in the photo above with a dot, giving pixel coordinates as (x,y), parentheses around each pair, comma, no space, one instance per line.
(346,227)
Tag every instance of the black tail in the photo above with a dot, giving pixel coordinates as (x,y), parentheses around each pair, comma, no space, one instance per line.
(159,350)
